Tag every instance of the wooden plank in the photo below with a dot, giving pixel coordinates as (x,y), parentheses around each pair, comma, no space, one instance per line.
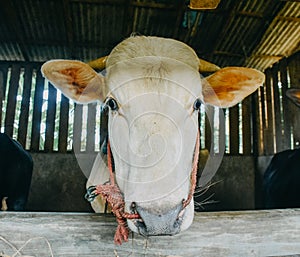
(24,113)
(15,26)
(77,129)
(294,73)
(269,128)
(11,99)
(3,78)
(103,126)
(246,129)
(234,130)
(181,9)
(37,112)
(285,103)
(209,125)
(50,120)
(240,233)
(128,19)
(257,122)
(277,109)
(69,27)
(63,125)
(222,137)
(91,128)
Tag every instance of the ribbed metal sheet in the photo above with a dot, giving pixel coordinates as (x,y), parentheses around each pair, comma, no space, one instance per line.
(250,33)
(280,40)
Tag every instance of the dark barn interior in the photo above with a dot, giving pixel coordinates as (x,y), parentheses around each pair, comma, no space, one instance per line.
(63,137)
(259,34)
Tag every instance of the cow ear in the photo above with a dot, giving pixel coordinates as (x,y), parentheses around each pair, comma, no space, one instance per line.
(76,80)
(294,95)
(228,86)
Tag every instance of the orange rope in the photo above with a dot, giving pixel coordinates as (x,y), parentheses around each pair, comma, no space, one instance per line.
(109,164)
(112,194)
(193,173)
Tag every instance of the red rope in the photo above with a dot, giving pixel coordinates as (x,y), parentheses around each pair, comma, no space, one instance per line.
(193,173)
(112,194)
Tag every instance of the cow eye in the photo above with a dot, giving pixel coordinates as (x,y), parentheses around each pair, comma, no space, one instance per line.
(197,104)
(112,103)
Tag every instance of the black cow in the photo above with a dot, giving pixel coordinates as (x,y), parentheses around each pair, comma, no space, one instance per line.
(282,177)
(282,180)
(15,174)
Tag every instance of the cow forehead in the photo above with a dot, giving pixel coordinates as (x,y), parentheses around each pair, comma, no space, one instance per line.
(152,74)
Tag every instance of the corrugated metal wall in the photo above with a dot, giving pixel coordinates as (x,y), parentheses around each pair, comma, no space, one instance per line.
(238,33)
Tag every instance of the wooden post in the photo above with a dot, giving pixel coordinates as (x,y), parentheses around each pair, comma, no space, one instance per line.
(277,110)
(247,135)
(37,112)
(234,130)
(269,119)
(24,114)
(222,136)
(294,72)
(50,120)
(209,125)
(91,128)
(285,104)
(3,78)
(11,99)
(63,124)
(77,128)
(257,117)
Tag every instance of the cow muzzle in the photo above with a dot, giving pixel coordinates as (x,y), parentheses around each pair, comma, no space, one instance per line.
(158,223)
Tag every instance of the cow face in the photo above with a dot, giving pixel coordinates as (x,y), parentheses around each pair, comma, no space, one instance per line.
(153,89)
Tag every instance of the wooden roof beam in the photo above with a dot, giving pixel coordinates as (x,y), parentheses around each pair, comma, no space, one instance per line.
(9,12)
(101,2)
(153,5)
(128,19)
(69,27)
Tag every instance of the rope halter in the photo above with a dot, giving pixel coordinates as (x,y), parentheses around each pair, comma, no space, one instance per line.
(112,194)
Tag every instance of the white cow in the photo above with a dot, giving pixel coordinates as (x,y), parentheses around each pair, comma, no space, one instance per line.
(153,89)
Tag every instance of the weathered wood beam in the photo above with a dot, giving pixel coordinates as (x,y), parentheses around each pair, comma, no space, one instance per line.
(229,17)
(250,14)
(7,9)
(239,233)
(181,8)
(234,55)
(228,54)
(153,5)
(193,30)
(102,2)
(286,18)
(128,19)
(203,4)
(69,27)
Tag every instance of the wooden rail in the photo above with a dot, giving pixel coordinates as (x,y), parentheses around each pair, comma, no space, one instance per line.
(241,233)
(278,119)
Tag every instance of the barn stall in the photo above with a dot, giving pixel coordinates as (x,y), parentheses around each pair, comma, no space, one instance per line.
(64,138)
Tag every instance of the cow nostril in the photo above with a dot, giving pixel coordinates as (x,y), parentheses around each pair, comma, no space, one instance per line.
(166,223)
(133,206)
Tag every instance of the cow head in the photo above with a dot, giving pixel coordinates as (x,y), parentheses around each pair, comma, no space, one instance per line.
(153,89)
(294,95)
